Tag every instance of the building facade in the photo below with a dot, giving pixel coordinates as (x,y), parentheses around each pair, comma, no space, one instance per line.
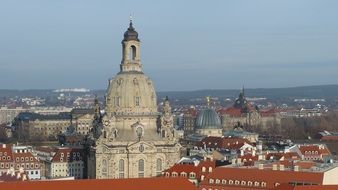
(132,139)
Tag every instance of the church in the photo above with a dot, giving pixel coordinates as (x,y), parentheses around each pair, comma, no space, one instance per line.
(132,139)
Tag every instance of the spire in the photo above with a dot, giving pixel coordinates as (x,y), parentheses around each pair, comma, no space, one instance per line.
(130,22)
(243,90)
(208,101)
(131,33)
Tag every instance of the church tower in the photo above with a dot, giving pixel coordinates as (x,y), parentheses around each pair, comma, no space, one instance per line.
(132,139)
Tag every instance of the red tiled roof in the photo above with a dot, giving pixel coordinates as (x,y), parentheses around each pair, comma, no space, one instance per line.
(329,138)
(306,149)
(24,155)
(306,187)
(233,112)
(190,112)
(188,168)
(64,152)
(222,142)
(6,153)
(116,184)
(270,177)
(280,155)
(268,112)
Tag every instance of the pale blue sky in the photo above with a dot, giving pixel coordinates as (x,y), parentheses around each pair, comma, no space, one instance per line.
(186,45)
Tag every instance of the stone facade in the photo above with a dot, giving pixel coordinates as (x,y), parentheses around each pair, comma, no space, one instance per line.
(132,139)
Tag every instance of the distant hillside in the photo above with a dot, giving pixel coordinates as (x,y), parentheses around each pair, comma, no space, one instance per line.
(328,92)
(322,91)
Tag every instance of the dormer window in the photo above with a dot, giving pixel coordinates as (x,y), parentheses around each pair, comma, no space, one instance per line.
(224,181)
(217,181)
(210,169)
(203,169)
(211,181)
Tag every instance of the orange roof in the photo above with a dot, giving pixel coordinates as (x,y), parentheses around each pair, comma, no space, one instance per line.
(223,142)
(306,187)
(188,168)
(5,153)
(270,177)
(24,155)
(306,149)
(75,154)
(329,138)
(234,112)
(111,184)
(280,155)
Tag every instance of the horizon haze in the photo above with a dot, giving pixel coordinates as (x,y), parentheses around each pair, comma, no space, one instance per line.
(190,45)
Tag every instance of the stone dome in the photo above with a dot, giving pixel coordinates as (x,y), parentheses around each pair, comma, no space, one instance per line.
(208,119)
(131,93)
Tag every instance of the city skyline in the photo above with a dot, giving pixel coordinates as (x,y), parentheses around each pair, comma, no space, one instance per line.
(255,43)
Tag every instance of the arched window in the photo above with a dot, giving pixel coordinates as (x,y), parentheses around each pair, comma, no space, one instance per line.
(121,168)
(104,168)
(132,52)
(158,166)
(141,168)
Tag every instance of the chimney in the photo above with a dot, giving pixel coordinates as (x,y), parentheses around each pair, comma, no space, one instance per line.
(242,152)
(239,160)
(18,175)
(24,177)
(260,166)
(274,166)
(233,161)
(254,153)
(296,168)
(281,167)
(3,145)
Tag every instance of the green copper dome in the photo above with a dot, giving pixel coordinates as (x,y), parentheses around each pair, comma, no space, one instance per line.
(208,119)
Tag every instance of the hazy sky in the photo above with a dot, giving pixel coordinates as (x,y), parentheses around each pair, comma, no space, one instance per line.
(186,45)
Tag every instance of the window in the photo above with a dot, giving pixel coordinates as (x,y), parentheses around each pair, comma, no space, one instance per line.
(132,52)
(210,169)
(158,166)
(263,184)
(217,181)
(104,168)
(211,181)
(117,101)
(256,184)
(137,101)
(121,168)
(192,175)
(174,174)
(141,168)
(183,174)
